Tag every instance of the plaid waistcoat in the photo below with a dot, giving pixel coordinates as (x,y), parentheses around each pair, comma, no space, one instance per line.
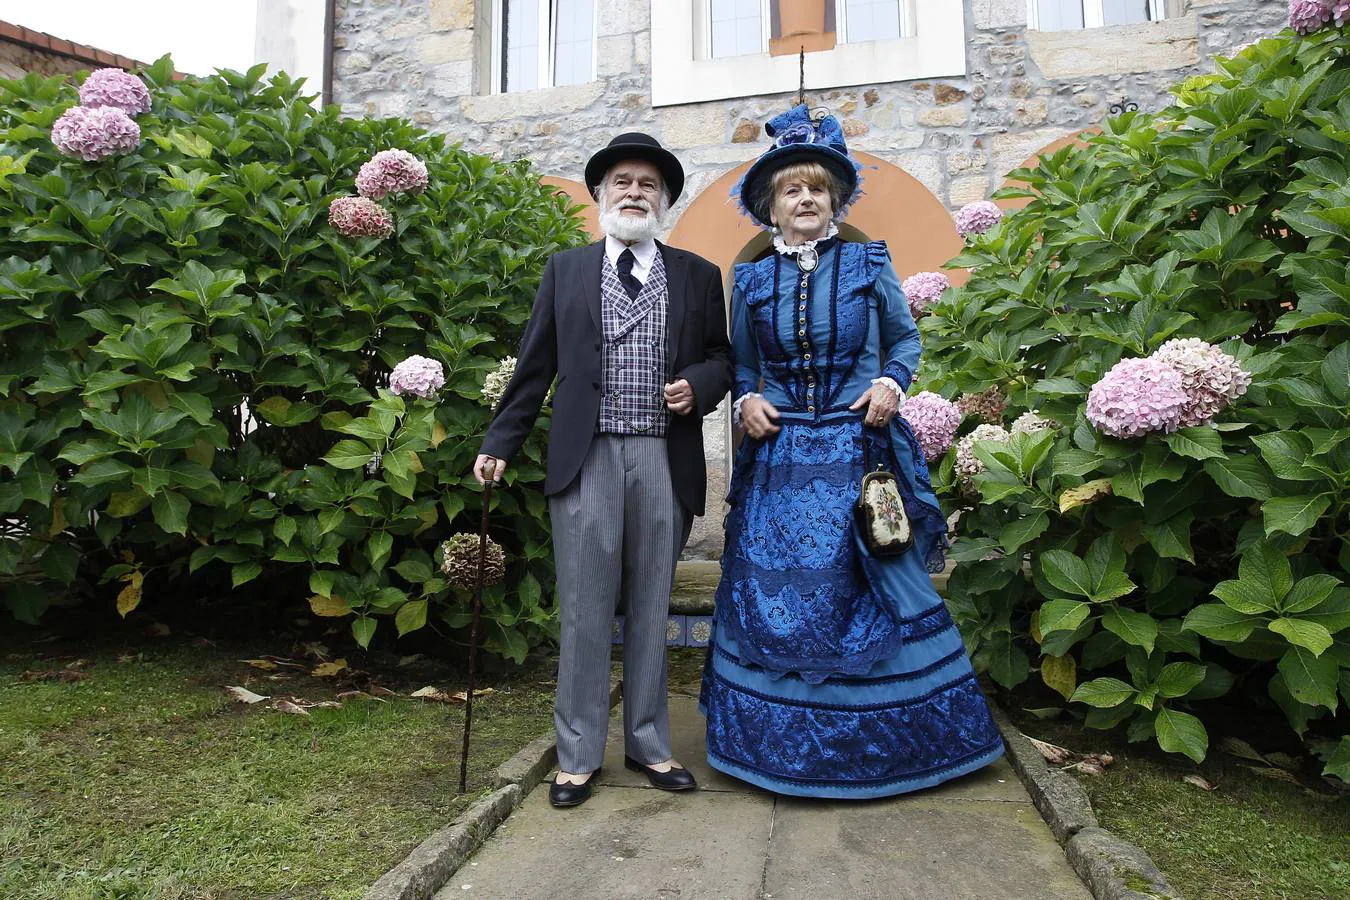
(633,361)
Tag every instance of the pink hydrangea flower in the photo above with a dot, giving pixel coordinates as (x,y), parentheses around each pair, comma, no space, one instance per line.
(1306,16)
(359,217)
(977,217)
(1341,11)
(1211,378)
(95,133)
(114,87)
(968,465)
(924,289)
(1137,396)
(418,376)
(934,420)
(391,172)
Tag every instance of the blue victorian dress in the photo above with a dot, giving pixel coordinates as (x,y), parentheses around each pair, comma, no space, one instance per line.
(832,673)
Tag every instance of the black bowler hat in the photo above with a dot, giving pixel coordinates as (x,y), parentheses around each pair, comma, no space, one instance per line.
(636,145)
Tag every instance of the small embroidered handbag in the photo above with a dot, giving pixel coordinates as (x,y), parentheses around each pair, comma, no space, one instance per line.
(880,511)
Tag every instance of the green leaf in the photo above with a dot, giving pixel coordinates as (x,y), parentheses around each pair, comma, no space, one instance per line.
(1308,593)
(244,572)
(414,571)
(1074,462)
(1301,633)
(1179,679)
(1338,762)
(1066,572)
(363,629)
(1311,679)
(321,582)
(377,549)
(170,510)
(1172,538)
(1284,452)
(1294,515)
(1180,732)
(1131,626)
(1063,615)
(1240,476)
(1103,693)
(1021,531)
(284,529)
(1221,623)
(1336,374)
(1196,443)
(411,616)
(349,455)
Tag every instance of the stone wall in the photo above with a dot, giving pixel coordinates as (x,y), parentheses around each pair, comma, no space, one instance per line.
(1023,89)
(16,61)
(957,136)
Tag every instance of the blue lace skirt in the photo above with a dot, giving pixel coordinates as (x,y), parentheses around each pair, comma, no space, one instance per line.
(830,673)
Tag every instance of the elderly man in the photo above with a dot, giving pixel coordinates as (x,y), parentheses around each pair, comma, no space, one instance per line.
(635,332)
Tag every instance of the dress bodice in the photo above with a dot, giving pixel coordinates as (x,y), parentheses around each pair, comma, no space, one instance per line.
(818,339)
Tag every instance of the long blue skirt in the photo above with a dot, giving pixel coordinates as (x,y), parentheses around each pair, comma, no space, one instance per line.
(831,673)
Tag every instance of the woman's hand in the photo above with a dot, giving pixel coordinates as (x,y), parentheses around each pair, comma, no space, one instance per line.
(881,403)
(759,417)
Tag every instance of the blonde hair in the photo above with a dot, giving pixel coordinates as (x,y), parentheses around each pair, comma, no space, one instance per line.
(812,174)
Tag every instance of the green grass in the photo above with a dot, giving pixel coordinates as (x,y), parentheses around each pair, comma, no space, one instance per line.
(146,780)
(1253,838)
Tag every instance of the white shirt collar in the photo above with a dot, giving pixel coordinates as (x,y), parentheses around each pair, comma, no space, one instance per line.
(784,248)
(643,251)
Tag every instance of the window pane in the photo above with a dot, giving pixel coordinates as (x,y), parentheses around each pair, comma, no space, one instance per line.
(1123,12)
(520,56)
(737,27)
(871,20)
(1059,15)
(572,49)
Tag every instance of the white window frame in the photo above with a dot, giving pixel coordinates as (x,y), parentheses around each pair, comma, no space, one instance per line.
(682,74)
(907,25)
(548,41)
(704,29)
(1094,14)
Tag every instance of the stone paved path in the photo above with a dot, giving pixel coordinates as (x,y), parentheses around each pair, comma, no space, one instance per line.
(978,837)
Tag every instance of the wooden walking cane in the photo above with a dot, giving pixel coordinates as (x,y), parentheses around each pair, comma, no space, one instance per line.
(473,630)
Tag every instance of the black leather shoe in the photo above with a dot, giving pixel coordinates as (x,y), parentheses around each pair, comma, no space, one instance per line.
(674,780)
(562,795)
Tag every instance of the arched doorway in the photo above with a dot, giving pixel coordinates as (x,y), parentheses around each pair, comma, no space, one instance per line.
(1050,149)
(577,193)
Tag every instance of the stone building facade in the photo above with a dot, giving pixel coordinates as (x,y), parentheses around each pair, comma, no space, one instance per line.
(938,115)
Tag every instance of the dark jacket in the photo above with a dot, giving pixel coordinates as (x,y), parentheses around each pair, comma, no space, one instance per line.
(564,338)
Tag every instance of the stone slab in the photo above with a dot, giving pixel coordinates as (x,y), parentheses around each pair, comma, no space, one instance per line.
(624,844)
(687,731)
(915,848)
(695,586)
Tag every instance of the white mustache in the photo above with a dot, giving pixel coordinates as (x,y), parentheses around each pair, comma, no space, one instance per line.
(636,204)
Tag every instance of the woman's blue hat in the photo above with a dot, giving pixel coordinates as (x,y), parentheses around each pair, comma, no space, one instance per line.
(798,137)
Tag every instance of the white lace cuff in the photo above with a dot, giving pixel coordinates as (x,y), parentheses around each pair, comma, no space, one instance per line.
(736,407)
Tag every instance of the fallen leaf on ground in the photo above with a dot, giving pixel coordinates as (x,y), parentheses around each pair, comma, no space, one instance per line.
(1285,761)
(378,691)
(287,706)
(1199,781)
(329,669)
(244,695)
(409,660)
(1053,753)
(159,629)
(67,675)
(317,650)
(260,663)
(1277,774)
(1241,749)
(357,695)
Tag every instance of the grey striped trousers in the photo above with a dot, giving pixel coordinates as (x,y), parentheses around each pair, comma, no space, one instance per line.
(617,533)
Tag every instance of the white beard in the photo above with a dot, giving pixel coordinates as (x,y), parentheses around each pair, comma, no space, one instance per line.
(630,228)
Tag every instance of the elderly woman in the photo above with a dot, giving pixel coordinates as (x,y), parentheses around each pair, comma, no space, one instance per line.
(832,671)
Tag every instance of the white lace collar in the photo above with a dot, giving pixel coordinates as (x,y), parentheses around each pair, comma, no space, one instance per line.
(782,247)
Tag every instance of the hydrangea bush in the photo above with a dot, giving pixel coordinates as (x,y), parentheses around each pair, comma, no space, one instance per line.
(1176,296)
(220,368)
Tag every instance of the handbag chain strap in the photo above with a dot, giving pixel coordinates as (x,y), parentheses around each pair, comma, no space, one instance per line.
(867,454)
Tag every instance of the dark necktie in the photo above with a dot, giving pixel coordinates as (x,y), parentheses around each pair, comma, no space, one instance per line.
(626,276)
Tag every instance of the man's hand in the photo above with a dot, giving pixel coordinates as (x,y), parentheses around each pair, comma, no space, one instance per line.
(881,403)
(680,397)
(486,467)
(759,418)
